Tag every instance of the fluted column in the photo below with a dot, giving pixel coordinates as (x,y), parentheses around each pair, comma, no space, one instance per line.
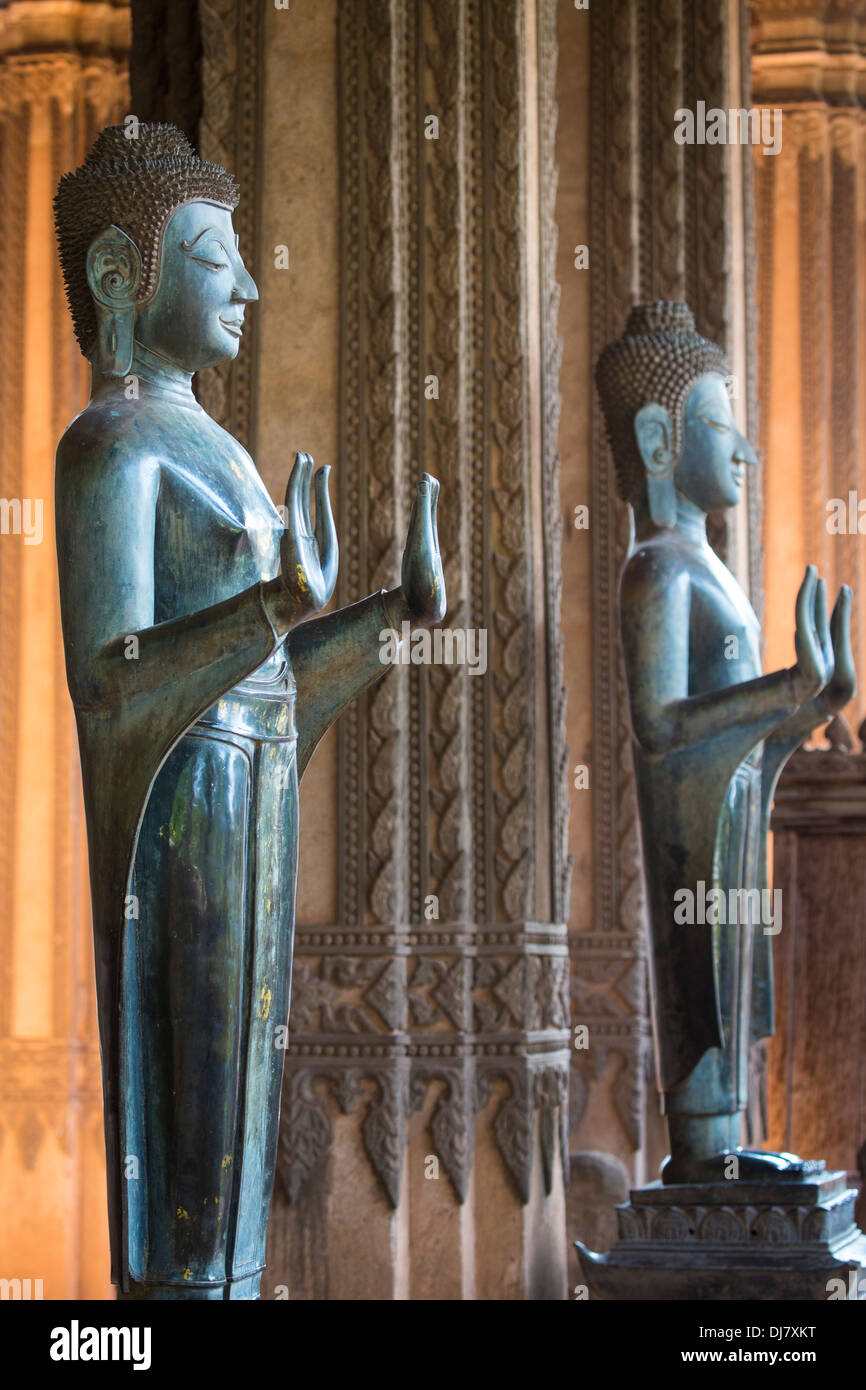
(62,77)
(809,61)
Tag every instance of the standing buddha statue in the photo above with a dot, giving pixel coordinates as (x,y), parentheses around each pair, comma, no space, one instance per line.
(202,681)
(710,732)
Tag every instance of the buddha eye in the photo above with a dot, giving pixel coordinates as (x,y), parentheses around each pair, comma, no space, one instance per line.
(211,265)
(219,258)
(716,424)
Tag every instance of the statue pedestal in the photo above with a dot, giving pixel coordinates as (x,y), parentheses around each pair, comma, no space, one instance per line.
(734,1240)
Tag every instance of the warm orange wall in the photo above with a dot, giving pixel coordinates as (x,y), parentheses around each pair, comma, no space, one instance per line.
(811,209)
(53,1224)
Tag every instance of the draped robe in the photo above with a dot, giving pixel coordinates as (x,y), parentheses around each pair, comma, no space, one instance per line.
(688,628)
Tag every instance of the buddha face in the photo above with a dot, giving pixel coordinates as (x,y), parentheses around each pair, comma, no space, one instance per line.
(196,316)
(712,465)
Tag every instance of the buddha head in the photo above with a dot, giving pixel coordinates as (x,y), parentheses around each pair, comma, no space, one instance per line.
(149,253)
(664,396)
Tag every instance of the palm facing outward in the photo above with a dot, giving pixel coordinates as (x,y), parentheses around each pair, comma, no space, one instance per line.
(421,596)
(825,664)
(309,558)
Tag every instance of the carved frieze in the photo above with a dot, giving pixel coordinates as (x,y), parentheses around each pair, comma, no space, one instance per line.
(379,1016)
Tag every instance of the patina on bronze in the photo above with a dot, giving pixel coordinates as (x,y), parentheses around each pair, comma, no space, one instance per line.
(710,732)
(201,683)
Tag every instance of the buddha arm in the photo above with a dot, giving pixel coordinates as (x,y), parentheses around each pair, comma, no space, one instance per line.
(209,650)
(665,718)
(334,659)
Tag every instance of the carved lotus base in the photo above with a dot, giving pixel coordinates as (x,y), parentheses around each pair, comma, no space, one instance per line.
(734,1240)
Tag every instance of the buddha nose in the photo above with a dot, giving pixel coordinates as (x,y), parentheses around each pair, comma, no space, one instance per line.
(743,451)
(245,291)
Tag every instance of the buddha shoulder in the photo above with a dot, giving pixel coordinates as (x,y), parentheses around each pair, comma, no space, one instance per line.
(123,434)
(104,427)
(110,456)
(653,568)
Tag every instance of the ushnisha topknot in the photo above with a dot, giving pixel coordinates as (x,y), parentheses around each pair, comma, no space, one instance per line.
(658,359)
(136,185)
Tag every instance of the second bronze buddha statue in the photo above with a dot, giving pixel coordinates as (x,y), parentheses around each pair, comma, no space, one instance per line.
(710,732)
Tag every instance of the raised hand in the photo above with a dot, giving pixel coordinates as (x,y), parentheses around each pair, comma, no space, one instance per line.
(838,680)
(421,596)
(309,559)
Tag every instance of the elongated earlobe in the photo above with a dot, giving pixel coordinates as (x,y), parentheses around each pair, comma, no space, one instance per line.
(662,499)
(652,429)
(114,277)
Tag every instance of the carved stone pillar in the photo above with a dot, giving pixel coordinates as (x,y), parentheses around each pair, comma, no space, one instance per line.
(62,77)
(666,221)
(809,61)
(441,990)
(816,1083)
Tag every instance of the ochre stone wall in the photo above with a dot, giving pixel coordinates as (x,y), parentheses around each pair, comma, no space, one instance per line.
(809,62)
(62,77)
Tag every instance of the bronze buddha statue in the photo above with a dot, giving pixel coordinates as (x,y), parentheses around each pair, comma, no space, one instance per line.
(710,732)
(202,681)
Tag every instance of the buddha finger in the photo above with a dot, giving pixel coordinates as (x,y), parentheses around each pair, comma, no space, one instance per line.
(844,679)
(439,596)
(294,488)
(822,629)
(434,511)
(418,534)
(805,606)
(305,494)
(326,532)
